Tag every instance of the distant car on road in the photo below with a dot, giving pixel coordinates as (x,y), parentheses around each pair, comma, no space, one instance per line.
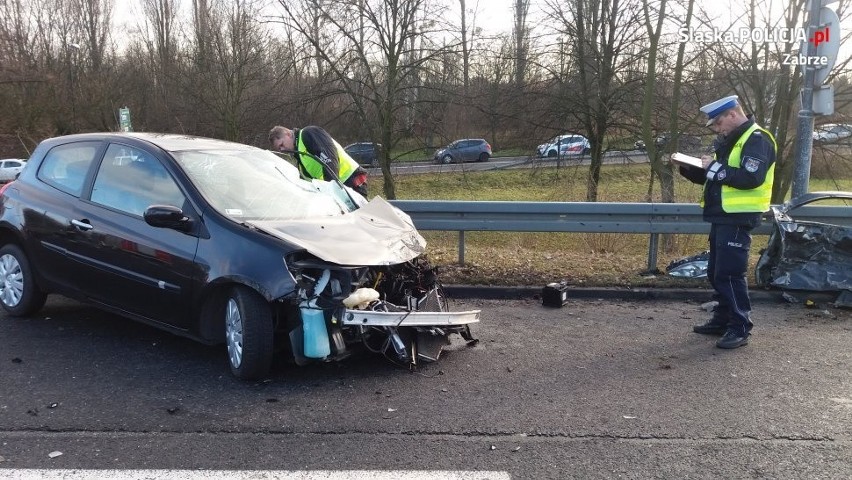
(464,150)
(10,168)
(569,144)
(832,132)
(365,153)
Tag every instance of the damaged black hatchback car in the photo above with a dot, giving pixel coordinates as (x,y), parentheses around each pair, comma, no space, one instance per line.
(223,243)
(808,255)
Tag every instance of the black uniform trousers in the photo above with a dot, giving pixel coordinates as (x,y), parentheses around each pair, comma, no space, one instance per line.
(726,271)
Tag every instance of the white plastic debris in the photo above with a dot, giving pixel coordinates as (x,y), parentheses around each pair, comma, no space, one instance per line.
(54,454)
(361,298)
(709,306)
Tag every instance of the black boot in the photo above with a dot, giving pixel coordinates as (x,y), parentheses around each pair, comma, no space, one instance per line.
(713,326)
(732,339)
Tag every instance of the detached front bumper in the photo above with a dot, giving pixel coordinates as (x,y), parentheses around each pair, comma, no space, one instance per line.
(370,318)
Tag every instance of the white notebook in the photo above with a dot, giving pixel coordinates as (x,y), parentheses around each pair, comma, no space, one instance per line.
(684,159)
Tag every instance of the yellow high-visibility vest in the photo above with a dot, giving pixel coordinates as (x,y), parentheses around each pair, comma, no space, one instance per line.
(735,200)
(313,169)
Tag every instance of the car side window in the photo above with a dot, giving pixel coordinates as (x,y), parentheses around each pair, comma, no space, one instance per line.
(131,180)
(65,166)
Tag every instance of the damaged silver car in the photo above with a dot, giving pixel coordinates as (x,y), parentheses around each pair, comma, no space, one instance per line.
(223,243)
(808,255)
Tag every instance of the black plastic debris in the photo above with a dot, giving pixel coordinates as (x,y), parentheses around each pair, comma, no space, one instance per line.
(693,266)
(807,255)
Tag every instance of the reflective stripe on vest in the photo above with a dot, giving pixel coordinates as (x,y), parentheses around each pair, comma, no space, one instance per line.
(313,169)
(735,200)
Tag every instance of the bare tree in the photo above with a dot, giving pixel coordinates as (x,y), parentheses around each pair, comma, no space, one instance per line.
(375,67)
(600,31)
(654,22)
(521,34)
(95,17)
(229,84)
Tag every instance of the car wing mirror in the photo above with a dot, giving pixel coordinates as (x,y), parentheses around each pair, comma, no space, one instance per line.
(167,216)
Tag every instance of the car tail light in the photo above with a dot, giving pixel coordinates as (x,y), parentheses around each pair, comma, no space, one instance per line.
(4,187)
(488,146)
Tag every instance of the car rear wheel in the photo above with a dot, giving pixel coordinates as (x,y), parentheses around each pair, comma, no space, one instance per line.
(18,291)
(447,159)
(248,333)
(483,157)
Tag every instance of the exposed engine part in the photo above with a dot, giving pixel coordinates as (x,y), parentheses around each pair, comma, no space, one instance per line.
(404,293)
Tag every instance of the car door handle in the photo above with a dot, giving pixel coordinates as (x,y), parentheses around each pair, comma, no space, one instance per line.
(82,225)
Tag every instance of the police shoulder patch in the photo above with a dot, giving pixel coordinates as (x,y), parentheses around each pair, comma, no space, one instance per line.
(721,175)
(751,164)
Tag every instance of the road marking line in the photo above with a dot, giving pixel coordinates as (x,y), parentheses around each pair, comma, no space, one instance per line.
(70,474)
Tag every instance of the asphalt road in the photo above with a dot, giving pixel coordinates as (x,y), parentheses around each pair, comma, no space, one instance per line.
(602,388)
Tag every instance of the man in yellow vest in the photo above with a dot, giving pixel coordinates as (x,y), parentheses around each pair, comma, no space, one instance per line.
(737,189)
(318,142)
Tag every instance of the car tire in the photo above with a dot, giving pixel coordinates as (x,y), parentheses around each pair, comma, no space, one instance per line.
(483,157)
(248,333)
(551,154)
(446,159)
(19,293)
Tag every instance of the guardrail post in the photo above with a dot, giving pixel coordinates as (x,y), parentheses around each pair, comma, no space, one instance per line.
(653,246)
(461,247)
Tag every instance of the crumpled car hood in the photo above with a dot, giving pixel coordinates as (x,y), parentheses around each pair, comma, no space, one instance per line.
(376,234)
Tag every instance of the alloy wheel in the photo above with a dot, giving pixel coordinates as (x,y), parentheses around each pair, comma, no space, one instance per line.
(12,277)
(234,333)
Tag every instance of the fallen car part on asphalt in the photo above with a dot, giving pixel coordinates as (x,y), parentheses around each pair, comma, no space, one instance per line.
(693,266)
(808,255)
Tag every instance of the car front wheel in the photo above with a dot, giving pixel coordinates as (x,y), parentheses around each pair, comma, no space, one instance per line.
(551,154)
(248,333)
(18,291)
(447,159)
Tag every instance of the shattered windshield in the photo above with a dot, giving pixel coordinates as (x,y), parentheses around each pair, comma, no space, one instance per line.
(256,184)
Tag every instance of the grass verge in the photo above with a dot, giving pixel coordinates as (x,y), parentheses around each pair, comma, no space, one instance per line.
(587,259)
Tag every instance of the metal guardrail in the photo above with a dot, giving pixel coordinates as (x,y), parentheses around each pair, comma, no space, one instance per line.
(583,217)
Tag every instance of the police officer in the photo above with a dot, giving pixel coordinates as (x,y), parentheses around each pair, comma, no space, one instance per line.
(737,189)
(318,142)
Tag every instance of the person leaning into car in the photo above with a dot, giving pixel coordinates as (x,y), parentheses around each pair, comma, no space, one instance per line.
(737,189)
(317,142)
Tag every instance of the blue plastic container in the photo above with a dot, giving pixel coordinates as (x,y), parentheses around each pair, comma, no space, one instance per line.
(315,333)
